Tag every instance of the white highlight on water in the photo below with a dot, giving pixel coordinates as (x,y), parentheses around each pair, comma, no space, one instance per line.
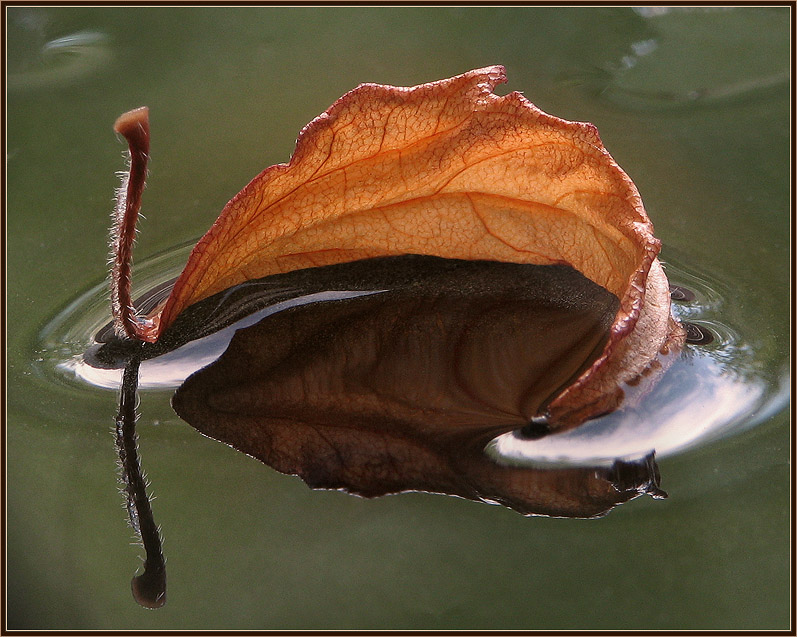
(170,370)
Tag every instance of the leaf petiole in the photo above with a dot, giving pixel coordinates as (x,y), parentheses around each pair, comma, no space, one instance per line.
(134,126)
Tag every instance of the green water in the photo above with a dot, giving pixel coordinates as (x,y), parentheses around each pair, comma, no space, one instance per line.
(694,104)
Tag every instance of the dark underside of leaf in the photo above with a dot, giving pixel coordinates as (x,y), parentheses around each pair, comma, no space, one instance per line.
(401,389)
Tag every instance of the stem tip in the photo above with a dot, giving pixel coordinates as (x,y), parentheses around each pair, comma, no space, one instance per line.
(149,588)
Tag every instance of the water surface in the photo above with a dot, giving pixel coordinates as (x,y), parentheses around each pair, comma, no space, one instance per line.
(702,129)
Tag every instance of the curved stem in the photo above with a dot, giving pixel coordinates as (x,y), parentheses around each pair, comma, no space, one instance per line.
(134,126)
(149,588)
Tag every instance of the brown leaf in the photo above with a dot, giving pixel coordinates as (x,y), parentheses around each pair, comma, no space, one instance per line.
(401,390)
(452,170)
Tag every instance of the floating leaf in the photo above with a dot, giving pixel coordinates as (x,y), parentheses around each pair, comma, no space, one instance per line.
(401,388)
(394,391)
(450,169)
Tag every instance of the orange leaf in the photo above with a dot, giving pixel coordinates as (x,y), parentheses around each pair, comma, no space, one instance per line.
(452,170)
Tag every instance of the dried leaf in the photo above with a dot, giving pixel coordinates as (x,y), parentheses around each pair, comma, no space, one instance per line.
(401,390)
(452,170)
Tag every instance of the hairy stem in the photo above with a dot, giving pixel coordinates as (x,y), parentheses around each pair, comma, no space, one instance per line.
(149,588)
(134,126)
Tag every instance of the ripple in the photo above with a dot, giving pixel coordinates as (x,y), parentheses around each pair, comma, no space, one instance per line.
(71,332)
(698,400)
(683,60)
(62,61)
(712,390)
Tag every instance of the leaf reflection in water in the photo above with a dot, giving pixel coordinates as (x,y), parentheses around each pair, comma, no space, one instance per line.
(402,390)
